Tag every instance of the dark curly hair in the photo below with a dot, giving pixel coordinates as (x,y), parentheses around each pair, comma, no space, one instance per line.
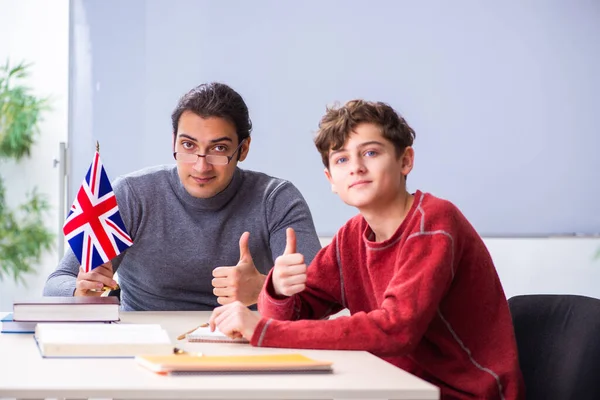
(215,100)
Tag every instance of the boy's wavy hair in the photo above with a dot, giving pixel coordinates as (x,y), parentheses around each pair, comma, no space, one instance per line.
(340,121)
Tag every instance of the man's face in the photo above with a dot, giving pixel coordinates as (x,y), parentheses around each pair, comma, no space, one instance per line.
(366,172)
(207,136)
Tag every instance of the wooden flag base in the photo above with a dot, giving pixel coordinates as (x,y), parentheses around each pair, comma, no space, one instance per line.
(105,289)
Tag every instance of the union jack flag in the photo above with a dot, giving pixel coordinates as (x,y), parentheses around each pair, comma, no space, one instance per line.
(94,228)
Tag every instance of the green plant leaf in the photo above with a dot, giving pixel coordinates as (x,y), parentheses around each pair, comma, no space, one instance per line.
(23,235)
(20,112)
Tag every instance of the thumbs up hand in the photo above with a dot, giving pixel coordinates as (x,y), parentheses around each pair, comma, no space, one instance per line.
(241,282)
(289,272)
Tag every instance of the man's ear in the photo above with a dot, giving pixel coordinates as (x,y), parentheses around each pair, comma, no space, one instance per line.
(245,149)
(328,175)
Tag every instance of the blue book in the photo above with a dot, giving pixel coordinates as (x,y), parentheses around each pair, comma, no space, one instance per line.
(11,326)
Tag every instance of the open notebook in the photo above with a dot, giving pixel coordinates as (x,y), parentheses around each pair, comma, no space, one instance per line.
(248,363)
(203,334)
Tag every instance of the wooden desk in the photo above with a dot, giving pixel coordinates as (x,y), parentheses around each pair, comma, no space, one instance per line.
(357,375)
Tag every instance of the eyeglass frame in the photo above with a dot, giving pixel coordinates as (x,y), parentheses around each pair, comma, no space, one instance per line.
(198,156)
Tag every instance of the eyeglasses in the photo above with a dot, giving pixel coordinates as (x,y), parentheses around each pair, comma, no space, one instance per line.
(192,158)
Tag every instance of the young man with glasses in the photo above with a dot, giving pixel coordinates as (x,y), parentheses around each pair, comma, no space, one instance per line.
(205,232)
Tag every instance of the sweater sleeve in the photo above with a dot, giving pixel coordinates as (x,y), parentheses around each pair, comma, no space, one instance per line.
(322,297)
(423,275)
(62,281)
(287,208)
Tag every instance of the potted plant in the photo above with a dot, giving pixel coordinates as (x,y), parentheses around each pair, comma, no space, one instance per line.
(23,234)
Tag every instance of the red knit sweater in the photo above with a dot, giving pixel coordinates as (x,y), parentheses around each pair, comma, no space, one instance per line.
(427,300)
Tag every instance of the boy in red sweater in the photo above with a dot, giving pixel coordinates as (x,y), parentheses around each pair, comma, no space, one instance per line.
(418,280)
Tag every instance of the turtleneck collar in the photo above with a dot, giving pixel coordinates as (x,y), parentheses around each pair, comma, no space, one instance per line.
(212,203)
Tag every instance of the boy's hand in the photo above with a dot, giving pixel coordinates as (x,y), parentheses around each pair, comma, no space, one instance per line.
(242,282)
(289,272)
(95,279)
(234,320)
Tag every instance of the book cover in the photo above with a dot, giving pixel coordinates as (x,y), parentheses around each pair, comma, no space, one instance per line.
(69,300)
(245,363)
(8,325)
(91,340)
(54,309)
(11,326)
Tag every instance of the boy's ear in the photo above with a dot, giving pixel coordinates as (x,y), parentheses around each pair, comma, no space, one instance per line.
(245,149)
(328,175)
(408,160)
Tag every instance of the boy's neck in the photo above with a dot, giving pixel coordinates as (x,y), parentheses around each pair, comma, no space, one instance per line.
(384,220)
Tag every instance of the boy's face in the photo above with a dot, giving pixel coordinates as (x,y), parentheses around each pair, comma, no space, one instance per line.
(207,136)
(366,172)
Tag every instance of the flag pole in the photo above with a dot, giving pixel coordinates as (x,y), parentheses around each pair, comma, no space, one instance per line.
(105,289)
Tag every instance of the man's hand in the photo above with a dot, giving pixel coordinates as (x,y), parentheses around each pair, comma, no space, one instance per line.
(242,282)
(95,279)
(289,272)
(234,320)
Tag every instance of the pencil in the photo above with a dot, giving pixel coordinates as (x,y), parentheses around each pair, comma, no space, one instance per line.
(182,336)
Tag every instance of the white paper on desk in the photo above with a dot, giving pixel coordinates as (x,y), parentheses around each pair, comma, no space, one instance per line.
(203,334)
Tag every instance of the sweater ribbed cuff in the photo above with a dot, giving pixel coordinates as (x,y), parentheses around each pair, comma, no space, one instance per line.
(260,332)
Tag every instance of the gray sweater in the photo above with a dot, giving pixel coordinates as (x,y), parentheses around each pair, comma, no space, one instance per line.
(179,239)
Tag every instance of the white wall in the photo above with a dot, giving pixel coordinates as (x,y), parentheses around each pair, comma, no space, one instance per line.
(545,265)
(37,31)
(553,265)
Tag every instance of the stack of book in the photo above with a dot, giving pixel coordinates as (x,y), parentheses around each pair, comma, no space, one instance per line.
(28,313)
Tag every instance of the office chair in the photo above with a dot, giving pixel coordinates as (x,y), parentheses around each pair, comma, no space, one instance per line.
(558,338)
